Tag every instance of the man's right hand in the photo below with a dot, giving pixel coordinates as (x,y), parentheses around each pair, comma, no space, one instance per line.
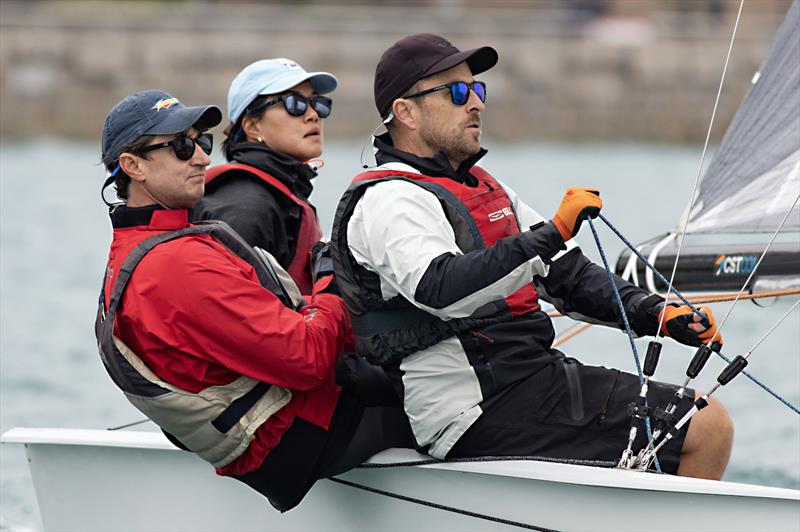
(578,205)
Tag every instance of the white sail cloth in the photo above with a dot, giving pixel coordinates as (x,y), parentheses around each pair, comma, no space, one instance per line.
(755,175)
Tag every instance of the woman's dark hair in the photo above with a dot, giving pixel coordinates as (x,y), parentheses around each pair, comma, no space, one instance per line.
(121,179)
(236,134)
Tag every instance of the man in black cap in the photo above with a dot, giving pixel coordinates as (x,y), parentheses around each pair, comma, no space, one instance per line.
(208,337)
(442,266)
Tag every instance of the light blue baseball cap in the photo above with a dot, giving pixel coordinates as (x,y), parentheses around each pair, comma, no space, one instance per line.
(272,76)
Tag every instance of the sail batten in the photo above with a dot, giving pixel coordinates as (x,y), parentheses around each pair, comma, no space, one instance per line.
(755,175)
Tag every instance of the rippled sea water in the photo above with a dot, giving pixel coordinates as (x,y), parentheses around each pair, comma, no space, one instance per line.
(55,235)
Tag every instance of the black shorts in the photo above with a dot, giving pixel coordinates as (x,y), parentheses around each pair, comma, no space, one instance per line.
(570,411)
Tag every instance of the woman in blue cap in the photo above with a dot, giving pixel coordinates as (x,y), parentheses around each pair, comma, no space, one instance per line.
(277,113)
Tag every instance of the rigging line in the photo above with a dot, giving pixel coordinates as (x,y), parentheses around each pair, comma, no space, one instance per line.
(721,297)
(570,334)
(125,426)
(738,297)
(700,168)
(440,506)
(755,268)
(649,265)
(715,297)
(728,374)
(628,330)
(761,385)
(620,305)
(772,328)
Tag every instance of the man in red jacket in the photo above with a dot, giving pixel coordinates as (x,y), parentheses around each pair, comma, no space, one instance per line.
(208,337)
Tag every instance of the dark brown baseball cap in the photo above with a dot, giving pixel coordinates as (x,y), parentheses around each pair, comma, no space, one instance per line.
(418,56)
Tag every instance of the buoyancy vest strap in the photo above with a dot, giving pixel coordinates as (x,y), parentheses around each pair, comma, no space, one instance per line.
(441,192)
(309,231)
(122,371)
(219,230)
(239,407)
(445,195)
(217,171)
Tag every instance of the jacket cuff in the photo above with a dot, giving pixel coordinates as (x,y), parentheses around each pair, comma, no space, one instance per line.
(543,240)
(644,315)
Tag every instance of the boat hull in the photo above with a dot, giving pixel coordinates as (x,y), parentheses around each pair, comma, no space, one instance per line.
(108,481)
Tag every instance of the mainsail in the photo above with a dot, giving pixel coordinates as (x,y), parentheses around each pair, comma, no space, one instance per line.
(749,187)
(755,175)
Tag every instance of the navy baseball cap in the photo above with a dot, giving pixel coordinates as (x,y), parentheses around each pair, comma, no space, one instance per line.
(418,56)
(151,113)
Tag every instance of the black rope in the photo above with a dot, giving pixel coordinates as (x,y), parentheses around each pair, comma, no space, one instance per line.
(126,425)
(440,506)
(471,459)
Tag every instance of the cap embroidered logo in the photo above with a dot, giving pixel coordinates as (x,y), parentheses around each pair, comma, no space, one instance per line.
(166,103)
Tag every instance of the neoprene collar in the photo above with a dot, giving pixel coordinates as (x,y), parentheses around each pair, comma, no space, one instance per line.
(294,174)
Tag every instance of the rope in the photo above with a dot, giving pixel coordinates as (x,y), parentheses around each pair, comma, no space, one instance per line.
(568,335)
(469,459)
(762,385)
(735,299)
(755,268)
(620,305)
(716,297)
(649,265)
(440,506)
(700,168)
(628,330)
(719,297)
(125,426)
(506,458)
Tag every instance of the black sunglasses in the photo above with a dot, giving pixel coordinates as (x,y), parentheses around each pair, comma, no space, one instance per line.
(297,104)
(459,91)
(184,146)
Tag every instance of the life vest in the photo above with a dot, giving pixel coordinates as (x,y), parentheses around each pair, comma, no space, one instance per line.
(309,234)
(388,330)
(219,422)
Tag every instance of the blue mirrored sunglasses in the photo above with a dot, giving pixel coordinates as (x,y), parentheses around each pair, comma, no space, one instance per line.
(459,91)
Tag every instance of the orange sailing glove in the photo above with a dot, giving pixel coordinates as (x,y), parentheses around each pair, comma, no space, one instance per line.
(688,328)
(578,205)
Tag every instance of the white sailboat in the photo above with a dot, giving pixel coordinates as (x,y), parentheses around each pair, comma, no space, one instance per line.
(132,480)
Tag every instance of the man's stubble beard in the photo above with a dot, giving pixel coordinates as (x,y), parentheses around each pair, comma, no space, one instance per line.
(455,143)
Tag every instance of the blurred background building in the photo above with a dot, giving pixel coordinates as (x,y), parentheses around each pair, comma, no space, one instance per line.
(644,70)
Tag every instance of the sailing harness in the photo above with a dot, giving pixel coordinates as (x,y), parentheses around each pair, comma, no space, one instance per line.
(219,422)
(309,233)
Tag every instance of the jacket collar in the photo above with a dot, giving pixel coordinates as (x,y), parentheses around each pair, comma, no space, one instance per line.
(153,217)
(436,166)
(294,174)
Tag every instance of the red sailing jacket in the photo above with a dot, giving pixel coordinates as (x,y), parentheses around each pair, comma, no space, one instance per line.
(310,232)
(489,207)
(197,316)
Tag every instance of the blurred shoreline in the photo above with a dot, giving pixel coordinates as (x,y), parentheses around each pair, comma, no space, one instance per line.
(642,70)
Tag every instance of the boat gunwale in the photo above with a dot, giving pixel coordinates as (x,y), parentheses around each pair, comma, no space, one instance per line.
(546,471)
